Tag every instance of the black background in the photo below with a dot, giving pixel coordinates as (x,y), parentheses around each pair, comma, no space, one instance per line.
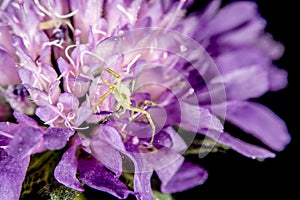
(234,176)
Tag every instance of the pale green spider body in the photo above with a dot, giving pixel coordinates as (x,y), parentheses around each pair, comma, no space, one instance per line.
(122,95)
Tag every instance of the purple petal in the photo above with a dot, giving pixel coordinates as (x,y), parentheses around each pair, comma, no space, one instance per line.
(187,26)
(160,117)
(9,71)
(86,16)
(230,61)
(57,138)
(273,48)
(143,171)
(211,9)
(26,76)
(24,119)
(107,155)
(227,18)
(163,138)
(245,83)
(142,185)
(54,91)
(7,130)
(9,127)
(65,171)
(68,101)
(164,161)
(259,121)
(192,118)
(278,79)
(166,174)
(12,175)
(35,38)
(112,137)
(5,39)
(83,113)
(45,113)
(188,176)
(246,149)
(160,159)
(179,144)
(247,34)
(140,96)
(23,142)
(39,97)
(94,175)
(62,65)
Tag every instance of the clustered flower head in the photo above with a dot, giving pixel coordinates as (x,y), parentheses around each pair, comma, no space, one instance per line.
(121,89)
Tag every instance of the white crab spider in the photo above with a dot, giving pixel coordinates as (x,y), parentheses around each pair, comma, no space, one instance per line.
(122,95)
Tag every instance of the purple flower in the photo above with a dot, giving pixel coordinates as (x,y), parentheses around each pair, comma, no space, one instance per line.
(124,87)
(15,153)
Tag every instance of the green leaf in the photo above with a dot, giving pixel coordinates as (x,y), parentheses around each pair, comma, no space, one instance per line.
(160,196)
(40,184)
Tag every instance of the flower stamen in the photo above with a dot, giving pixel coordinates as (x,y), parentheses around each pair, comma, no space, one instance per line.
(128,14)
(68,55)
(128,68)
(6,135)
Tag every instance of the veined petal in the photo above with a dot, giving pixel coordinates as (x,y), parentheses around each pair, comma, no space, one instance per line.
(6,39)
(9,71)
(89,15)
(188,175)
(244,148)
(245,83)
(65,171)
(259,121)
(218,25)
(178,144)
(69,101)
(191,117)
(23,142)
(112,137)
(247,34)
(94,175)
(26,76)
(57,138)
(142,185)
(12,175)
(230,61)
(166,174)
(83,114)
(107,155)
(24,119)
(45,113)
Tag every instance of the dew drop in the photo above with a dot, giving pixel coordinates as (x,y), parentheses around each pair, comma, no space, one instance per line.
(135,140)
(165,55)
(183,48)
(146,189)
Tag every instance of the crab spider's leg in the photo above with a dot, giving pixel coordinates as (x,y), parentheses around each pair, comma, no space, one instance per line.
(111,90)
(115,74)
(148,117)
